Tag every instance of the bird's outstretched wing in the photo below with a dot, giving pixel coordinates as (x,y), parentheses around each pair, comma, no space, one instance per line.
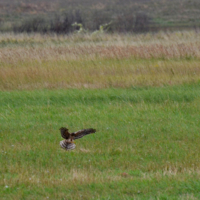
(83,132)
(64,133)
(67,145)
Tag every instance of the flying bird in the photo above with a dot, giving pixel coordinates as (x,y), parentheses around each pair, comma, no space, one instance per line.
(68,143)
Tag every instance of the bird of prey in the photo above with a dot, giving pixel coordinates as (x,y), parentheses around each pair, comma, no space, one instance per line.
(68,143)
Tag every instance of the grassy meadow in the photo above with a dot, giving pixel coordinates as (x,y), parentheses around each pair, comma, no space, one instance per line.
(141,93)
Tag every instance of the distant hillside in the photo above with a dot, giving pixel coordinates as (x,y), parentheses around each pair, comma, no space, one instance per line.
(122,16)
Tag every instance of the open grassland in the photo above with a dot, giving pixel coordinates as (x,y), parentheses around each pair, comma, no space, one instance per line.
(98,60)
(146,146)
(141,93)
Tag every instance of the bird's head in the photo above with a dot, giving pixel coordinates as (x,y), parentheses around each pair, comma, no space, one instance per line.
(63,129)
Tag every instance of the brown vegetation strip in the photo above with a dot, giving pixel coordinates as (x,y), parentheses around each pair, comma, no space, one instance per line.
(11,55)
(98,74)
(85,62)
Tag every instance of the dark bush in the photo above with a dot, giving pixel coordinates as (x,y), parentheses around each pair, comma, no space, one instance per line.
(59,24)
(142,22)
(63,23)
(37,24)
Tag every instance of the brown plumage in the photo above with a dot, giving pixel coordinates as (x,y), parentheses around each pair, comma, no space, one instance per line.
(68,144)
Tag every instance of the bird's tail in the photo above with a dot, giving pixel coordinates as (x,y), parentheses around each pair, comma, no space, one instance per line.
(67,145)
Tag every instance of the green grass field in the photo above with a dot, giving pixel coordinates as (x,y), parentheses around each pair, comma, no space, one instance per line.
(145,109)
(146,145)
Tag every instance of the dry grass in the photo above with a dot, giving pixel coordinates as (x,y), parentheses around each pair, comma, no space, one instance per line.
(77,176)
(98,61)
(99,74)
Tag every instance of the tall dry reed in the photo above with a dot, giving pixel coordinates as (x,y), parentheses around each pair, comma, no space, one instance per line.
(98,61)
